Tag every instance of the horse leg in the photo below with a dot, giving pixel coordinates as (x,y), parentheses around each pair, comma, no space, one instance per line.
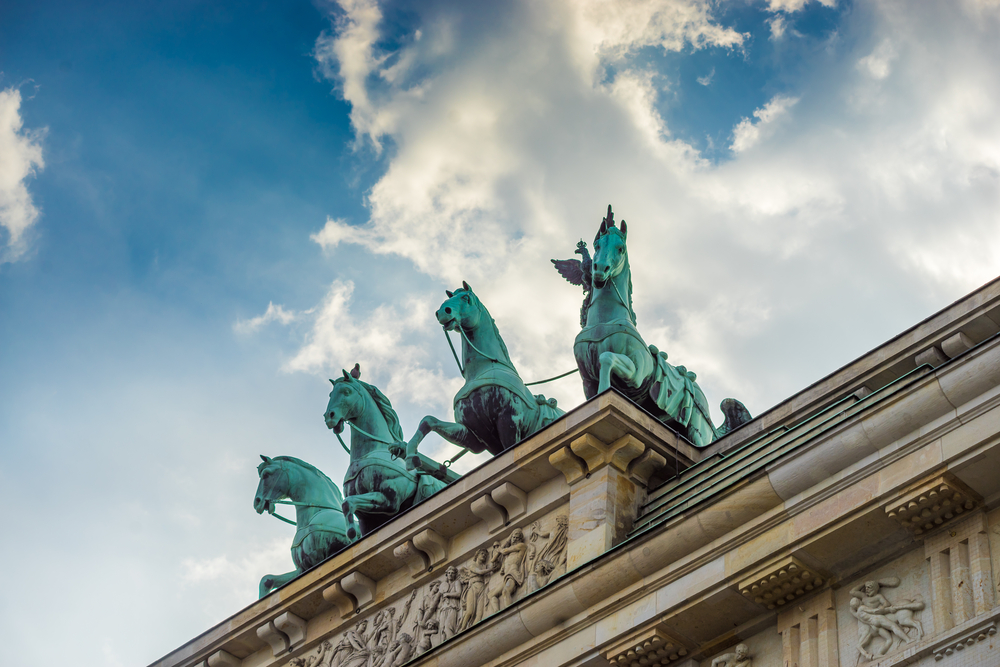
(373,501)
(456,434)
(620,364)
(271,581)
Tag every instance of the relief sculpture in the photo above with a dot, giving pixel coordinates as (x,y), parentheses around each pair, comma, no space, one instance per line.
(463,596)
(740,657)
(474,579)
(878,618)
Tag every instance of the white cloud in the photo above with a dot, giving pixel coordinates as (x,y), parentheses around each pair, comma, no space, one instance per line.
(777,25)
(272,314)
(239,573)
(748,133)
(379,340)
(20,159)
(707,79)
(349,57)
(795,5)
(518,132)
(878,63)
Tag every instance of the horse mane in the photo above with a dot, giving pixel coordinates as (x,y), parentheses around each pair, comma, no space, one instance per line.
(385,407)
(496,331)
(590,295)
(319,473)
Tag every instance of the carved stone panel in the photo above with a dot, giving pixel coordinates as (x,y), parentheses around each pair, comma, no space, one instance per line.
(520,561)
(885,614)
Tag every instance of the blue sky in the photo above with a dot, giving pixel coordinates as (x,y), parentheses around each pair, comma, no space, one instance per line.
(207,209)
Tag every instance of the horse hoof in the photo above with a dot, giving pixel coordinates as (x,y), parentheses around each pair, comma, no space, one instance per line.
(352,533)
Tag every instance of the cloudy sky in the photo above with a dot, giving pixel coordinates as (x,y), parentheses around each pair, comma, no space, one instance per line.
(206,210)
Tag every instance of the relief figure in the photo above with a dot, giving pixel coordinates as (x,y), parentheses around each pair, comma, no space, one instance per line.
(512,554)
(740,657)
(553,554)
(475,577)
(316,658)
(352,650)
(426,625)
(401,651)
(451,600)
(877,617)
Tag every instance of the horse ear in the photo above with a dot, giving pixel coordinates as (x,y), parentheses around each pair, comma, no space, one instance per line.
(466,286)
(356,371)
(347,376)
(333,383)
(265,459)
(624,229)
(449,293)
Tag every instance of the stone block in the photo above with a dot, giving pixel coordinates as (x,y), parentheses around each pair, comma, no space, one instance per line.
(433,545)
(360,586)
(512,499)
(489,512)
(932,504)
(932,356)
(956,344)
(223,659)
(337,596)
(276,639)
(293,626)
(649,647)
(415,559)
(781,583)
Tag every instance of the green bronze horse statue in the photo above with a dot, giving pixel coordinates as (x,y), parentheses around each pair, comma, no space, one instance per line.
(378,485)
(320,526)
(494,409)
(610,352)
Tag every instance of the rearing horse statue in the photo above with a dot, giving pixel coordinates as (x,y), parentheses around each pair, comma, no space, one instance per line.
(378,485)
(494,409)
(320,526)
(610,352)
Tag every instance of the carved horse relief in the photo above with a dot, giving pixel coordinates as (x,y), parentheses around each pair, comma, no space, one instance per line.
(610,352)
(377,485)
(321,529)
(494,409)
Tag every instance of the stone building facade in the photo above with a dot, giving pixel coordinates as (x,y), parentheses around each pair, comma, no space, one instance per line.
(856,523)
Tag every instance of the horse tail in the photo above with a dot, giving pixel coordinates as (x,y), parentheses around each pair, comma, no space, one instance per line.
(736,415)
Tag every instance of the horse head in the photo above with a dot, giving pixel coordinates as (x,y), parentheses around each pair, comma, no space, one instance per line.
(347,400)
(273,485)
(461,309)
(610,253)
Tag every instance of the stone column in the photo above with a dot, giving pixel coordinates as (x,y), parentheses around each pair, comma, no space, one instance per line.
(961,579)
(605,482)
(809,633)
